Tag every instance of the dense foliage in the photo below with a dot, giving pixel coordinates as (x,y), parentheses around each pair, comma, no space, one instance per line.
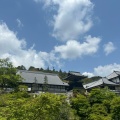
(92,79)
(8,76)
(21,106)
(99,104)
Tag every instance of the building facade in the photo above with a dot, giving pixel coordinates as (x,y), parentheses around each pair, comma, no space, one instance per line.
(115,78)
(42,82)
(75,80)
(112,81)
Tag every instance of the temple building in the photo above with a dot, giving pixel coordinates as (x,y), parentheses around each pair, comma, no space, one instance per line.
(75,80)
(114,77)
(112,81)
(42,82)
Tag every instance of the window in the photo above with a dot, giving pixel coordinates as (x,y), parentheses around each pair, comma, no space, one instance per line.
(112,87)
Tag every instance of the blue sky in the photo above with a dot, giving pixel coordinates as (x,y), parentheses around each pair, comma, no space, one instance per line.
(76,35)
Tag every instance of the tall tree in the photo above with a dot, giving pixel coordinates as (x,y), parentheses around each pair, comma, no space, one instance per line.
(31,68)
(53,69)
(22,67)
(45,85)
(8,76)
(35,85)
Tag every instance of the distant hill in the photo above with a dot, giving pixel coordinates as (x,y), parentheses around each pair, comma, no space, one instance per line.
(88,80)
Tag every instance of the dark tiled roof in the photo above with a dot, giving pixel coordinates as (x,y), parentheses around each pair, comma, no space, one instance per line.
(113,75)
(75,73)
(39,77)
(98,83)
(117,72)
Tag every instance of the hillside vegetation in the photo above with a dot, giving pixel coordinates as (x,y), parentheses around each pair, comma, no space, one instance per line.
(99,104)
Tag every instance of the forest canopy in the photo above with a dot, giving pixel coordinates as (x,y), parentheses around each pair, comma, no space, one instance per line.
(8,76)
(99,104)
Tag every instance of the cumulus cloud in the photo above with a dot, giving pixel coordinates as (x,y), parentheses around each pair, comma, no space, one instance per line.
(109,48)
(15,49)
(20,24)
(88,74)
(73,17)
(74,49)
(103,71)
(107,69)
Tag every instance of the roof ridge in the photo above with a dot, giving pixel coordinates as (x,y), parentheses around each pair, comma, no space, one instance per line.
(110,81)
(116,72)
(105,78)
(102,79)
(73,71)
(38,72)
(111,73)
(93,82)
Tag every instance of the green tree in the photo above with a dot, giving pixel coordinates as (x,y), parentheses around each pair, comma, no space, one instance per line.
(48,70)
(53,69)
(96,96)
(31,68)
(100,104)
(41,69)
(51,107)
(81,104)
(43,107)
(101,95)
(35,85)
(23,88)
(115,108)
(22,67)
(45,85)
(99,112)
(8,76)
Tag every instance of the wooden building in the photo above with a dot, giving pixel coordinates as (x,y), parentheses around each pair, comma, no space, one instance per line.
(112,81)
(75,80)
(42,82)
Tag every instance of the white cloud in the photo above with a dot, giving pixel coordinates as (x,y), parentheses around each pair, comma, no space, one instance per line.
(106,70)
(15,49)
(88,74)
(20,24)
(109,48)
(73,17)
(74,49)
(103,71)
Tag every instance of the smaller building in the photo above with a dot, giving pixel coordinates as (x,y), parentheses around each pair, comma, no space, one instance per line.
(75,79)
(114,77)
(100,83)
(42,82)
(72,75)
(112,81)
